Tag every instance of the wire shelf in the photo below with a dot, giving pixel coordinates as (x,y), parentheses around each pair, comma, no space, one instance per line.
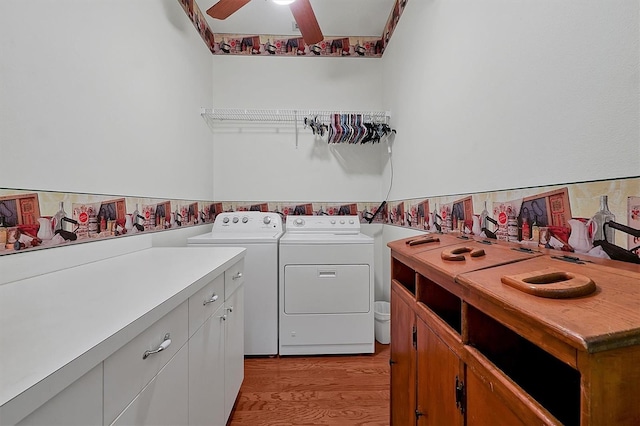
(276,117)
(287,115)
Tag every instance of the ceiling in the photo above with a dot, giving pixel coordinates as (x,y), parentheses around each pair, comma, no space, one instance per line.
(346,18)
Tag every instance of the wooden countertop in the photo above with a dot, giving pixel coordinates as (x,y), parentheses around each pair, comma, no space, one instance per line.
(605,319)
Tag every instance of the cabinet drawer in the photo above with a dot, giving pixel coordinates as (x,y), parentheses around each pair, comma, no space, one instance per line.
(126,373)
(233,277)
(164,401)
(202,304)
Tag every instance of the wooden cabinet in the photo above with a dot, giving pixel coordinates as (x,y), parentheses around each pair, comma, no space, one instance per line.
(488,353)
(440,378)
(405,340)
(403,355)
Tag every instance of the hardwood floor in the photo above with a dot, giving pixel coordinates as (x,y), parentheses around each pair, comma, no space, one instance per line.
(350,390)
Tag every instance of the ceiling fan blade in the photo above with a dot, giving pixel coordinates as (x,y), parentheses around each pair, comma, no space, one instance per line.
(307,22)
(225,8)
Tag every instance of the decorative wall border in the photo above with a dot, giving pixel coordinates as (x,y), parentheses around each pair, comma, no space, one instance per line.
(31,217)
(286,45)
(514,210)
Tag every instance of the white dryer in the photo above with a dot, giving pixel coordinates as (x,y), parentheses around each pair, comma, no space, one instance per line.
(326,287)
(259,233)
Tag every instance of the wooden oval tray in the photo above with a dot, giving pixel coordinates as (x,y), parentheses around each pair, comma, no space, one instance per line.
(551,283)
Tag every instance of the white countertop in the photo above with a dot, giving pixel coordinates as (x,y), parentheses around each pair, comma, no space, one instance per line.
(56,327)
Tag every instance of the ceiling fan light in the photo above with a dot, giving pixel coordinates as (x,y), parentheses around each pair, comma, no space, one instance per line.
(283,2)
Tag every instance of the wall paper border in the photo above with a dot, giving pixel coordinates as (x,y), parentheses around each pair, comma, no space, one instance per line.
(32,217)
(286,45)
(36,220)
(512,213)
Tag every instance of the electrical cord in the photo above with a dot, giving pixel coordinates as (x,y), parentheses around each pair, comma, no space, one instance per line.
(391,167)
(370,217)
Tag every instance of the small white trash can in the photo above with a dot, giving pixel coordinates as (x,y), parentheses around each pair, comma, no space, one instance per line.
(382,315)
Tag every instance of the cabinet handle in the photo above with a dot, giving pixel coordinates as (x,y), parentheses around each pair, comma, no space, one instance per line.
(213,299)
(224,317)
(164,345)
(230,309)
(237,276)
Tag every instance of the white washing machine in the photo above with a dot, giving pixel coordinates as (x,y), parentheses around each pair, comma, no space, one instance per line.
(259,233)
(326,287)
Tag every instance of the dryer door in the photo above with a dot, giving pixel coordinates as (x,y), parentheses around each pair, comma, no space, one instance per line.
(326,289)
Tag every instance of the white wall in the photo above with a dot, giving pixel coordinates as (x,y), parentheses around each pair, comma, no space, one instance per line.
(390,233)
(500,94)
(264,164)
(497,94)
(104,96)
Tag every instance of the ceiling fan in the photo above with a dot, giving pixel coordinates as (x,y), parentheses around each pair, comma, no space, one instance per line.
(301,10)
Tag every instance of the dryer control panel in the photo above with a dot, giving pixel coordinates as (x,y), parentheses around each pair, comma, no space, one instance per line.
(323,224)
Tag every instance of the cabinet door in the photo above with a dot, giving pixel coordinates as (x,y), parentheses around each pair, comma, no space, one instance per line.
(484,407)
(403,358)
(233,348)
(206,372)
(79,404)
(439,369)
(164,401)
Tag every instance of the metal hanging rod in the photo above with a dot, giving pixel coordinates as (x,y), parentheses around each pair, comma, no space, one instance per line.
(287,115)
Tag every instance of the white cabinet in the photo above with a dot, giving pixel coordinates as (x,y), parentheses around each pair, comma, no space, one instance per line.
(164,401)
(160,346)
(233,348)
(197,386)
(205,302)
(216,349)
(206,356)
(80,404)
(126,372)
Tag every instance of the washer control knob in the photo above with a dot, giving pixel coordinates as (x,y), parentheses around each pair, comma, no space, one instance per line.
(342,222)
(351,221)
(333,221)
(225,219)
(266,220)
(235,219)
(299,221)
(245,219)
